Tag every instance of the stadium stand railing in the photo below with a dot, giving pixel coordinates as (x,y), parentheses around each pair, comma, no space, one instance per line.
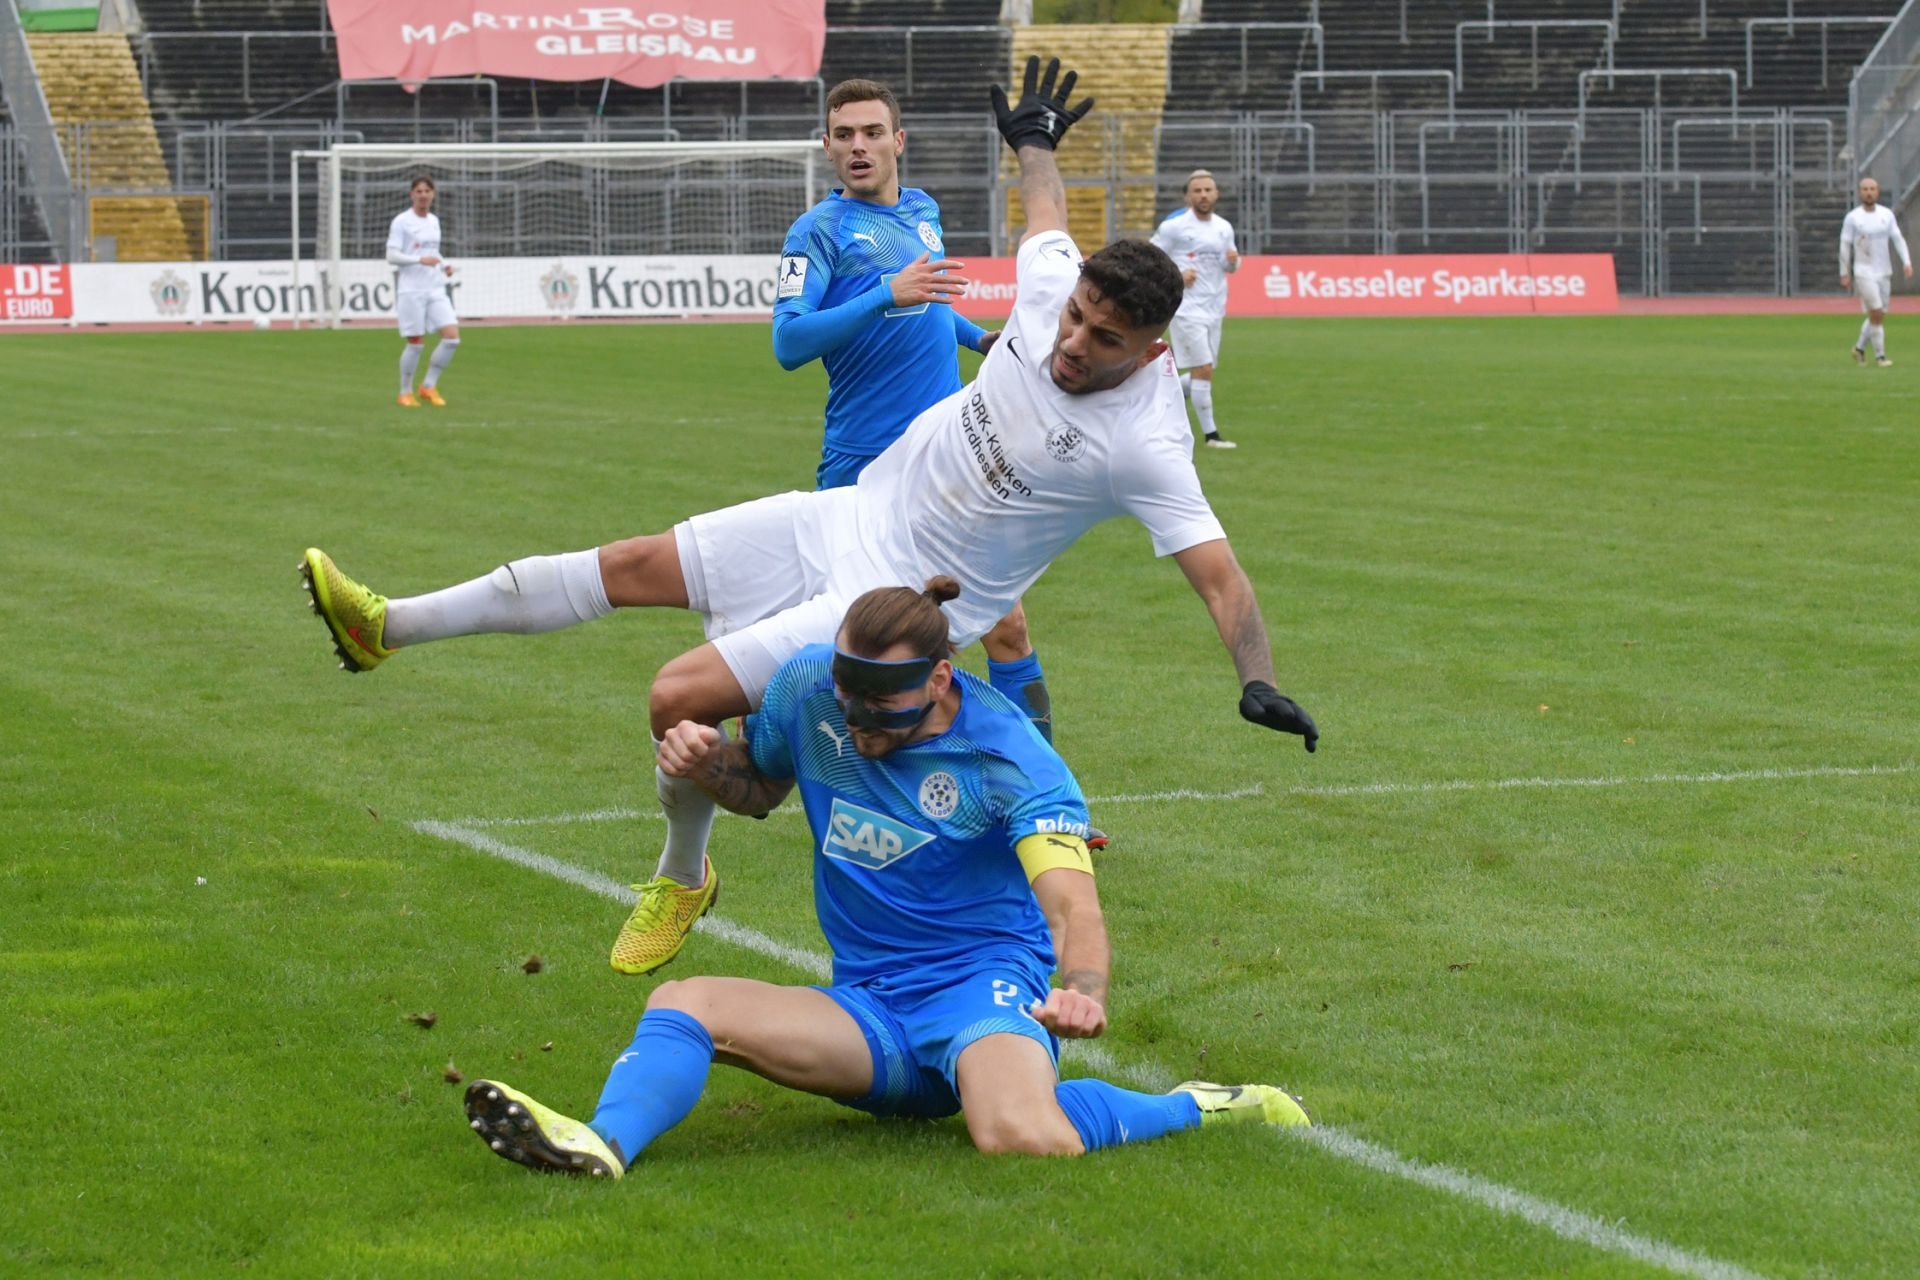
(1883,110)
(1335,125)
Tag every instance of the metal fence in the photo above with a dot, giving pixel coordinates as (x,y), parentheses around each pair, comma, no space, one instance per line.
(1883,110)
(1686,201)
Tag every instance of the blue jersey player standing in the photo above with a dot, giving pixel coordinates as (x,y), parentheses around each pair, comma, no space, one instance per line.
(865,289)
(951,880)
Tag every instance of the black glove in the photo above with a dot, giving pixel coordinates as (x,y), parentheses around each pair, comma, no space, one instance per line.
(1263,704)
(1042,118)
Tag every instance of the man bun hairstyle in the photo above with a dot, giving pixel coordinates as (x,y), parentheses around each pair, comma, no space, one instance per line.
(888,616)
(864,91)
(1139,278)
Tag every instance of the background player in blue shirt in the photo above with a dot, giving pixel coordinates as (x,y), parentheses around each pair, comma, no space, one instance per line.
(949,865)
(865,288)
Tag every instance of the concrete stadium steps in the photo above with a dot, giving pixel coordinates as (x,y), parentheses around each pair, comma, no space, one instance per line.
(1123,66)
(217,76)
(90,81)
(912,13)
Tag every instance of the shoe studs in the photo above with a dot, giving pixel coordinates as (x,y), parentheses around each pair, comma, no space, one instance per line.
(476,1125)
(493,1095)
(497,1145)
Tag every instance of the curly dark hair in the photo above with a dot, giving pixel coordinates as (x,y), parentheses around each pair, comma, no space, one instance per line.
(1139,278)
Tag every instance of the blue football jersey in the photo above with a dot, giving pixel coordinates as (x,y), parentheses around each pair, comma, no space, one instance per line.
(905,359)
(914,865)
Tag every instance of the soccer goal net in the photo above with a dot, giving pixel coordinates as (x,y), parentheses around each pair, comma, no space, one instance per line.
(556,229)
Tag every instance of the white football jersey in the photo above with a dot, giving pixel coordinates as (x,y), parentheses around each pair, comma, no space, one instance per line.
(1863,242)
(994,482)
(414,235)
(1201,244)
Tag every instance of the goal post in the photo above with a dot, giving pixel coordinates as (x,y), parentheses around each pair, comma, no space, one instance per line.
(505,207)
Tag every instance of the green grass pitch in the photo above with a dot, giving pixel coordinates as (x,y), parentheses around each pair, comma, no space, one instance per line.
(1601,889)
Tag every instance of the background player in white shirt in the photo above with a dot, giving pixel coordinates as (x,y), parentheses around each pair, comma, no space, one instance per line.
(1200,242)
(420,295)
(1866,269)
(1074,418)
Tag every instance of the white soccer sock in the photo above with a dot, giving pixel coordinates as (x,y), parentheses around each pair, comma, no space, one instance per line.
(689,813)
(1880,341)
(1202,396)
(443,355)
(409,361)
(1866,335)
(539,593)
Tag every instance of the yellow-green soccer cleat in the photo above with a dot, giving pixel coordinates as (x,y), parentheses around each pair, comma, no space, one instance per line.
(431,395)
(520,1129)
(661,920)
(1244,1103)
(356,616)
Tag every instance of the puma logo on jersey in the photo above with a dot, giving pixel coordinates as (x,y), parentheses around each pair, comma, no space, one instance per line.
(861,235)
(839,739)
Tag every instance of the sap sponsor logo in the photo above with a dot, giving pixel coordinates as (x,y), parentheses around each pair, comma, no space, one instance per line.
(1062,825)
(560,288)
(664,290)
(868,839)
(171,294)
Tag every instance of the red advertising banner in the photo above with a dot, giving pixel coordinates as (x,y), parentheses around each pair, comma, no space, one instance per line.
(1385,285)
(413,40)
(35,293)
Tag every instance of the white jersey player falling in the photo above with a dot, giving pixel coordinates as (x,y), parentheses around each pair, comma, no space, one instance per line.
(421,303)
(991,484)
(1200,242)
(1869,230)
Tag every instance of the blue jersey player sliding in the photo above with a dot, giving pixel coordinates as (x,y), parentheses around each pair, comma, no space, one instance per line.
(863,291)
(949,875)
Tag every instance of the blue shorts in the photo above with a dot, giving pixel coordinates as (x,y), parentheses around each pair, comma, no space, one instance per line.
(838,469)
(917,1027)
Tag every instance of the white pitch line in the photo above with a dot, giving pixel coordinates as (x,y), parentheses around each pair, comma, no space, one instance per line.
(593,882)
(1355,789)
(1568,1224)
(786,811)
(1644,780)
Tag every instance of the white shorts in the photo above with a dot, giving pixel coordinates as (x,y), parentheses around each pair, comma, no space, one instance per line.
(1874,292)
(421,313)
(1195,342)
(780,573)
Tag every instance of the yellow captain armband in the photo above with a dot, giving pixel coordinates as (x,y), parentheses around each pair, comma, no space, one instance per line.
(1040,854)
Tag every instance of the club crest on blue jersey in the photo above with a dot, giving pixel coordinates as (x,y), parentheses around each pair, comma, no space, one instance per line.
(868,839)
(928,236)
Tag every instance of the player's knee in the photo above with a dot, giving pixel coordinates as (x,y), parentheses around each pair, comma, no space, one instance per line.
(1010,1135)
(1204,372)
(416,341)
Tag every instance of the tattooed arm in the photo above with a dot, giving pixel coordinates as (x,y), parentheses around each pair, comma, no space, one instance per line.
(1077,1008)
(1222,584)
(722,769)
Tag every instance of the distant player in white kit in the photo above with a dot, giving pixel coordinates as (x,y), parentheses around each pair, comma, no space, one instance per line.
(420,297)
(1200,242)
(1866,269)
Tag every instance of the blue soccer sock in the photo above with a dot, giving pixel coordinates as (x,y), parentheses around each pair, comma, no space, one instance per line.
(1024,684)
(654,1084)
(1106,1115)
